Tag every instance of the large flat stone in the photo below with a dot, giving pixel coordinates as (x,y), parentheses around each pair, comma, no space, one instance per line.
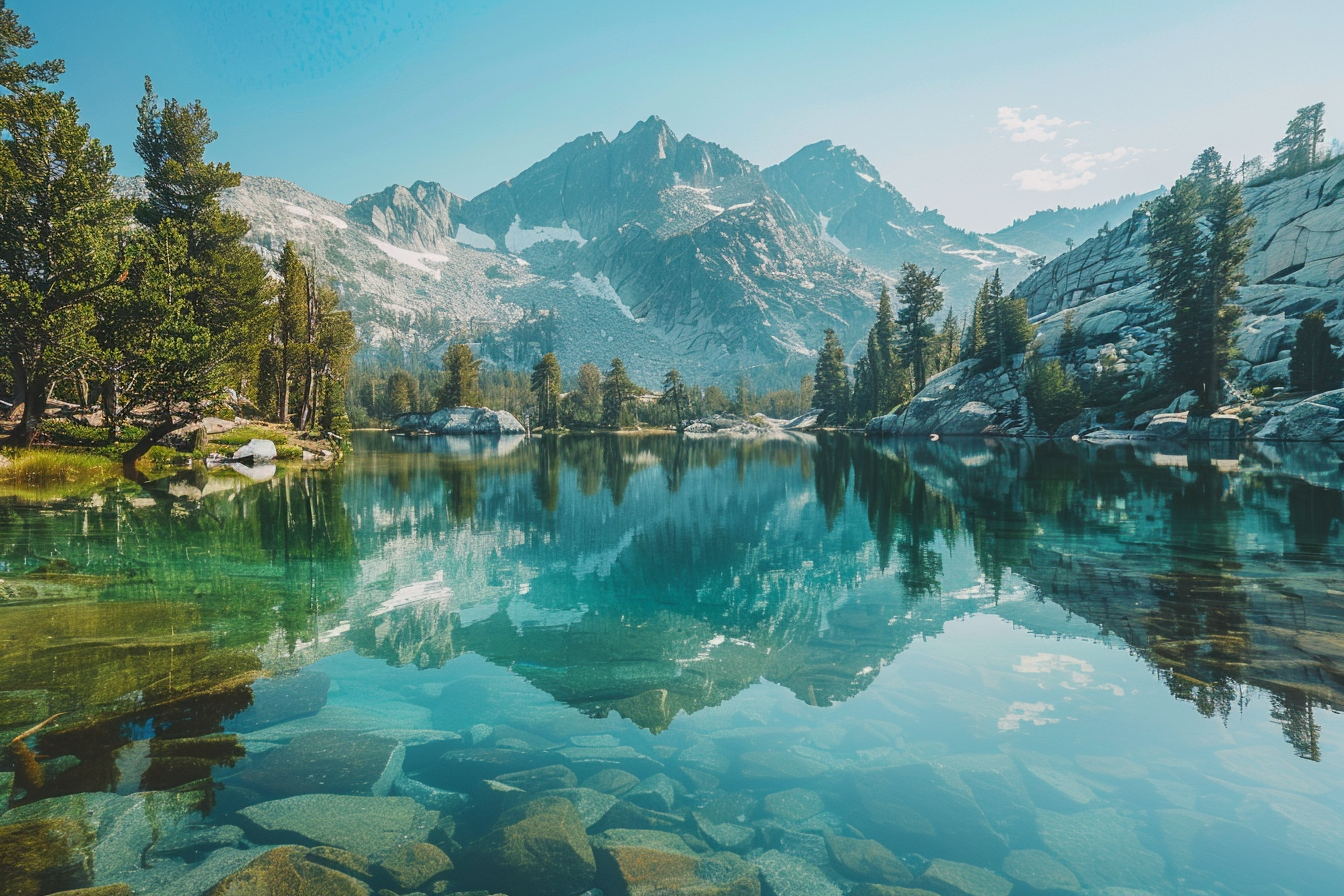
(367,825)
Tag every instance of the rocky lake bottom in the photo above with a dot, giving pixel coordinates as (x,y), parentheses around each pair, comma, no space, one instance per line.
(795,666)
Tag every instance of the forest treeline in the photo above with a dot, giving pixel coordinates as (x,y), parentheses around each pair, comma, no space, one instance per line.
(146,311)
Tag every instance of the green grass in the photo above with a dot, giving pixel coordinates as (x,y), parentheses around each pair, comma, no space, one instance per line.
(240,436)
(45,473)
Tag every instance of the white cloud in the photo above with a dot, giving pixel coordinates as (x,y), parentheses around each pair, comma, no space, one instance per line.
(1027,130)
(1079,169)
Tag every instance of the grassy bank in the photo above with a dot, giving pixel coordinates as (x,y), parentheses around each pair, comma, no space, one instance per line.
(45,473)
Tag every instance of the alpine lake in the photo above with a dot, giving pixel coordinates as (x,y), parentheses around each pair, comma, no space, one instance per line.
(651,664)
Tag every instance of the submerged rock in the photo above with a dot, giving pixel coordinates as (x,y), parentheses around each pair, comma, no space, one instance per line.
(957,879)
(539,848)
(412,865)
(785,875)
(368,825)
(45,855)
(536,780)
(288,870)
(915,808)
(649,863)
(1039,871)
(867,861)
(1103,849)
(344,762)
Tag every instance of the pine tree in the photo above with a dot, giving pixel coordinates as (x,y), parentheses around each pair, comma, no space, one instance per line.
(1000,325)
(1069,339)
(949,343)
(289,323)
(583,405)
(1314,365)
(461,378)
(210,286)
(1199,238)
(617,389)
(921,299)
(1299,150)
(832,381)
(401,395)
(59,238)
(884,356)
(677,397)
(546,390)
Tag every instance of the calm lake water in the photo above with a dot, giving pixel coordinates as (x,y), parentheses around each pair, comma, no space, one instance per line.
(793,666)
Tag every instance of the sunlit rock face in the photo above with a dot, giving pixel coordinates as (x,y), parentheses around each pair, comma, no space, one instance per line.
(1296,266)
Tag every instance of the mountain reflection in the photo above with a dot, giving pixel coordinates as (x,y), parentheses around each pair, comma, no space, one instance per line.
(651,575)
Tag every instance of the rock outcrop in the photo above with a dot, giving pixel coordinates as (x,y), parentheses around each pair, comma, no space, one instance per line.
(1319,418)
(964,401)
(463,421)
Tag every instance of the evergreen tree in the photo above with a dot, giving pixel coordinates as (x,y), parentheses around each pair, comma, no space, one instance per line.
(546,390)
(948,343)
(617,389)
(1199,238)
(921,298)
(461,378)
(884,357)
(1069,339)
(832,381)
(583,405)
(677,397)
(1053,395)
(190,260)
(401,395)
(289,324)
(1300,148)
(59,239)
(1315,366)
(1001,328)
(743,397)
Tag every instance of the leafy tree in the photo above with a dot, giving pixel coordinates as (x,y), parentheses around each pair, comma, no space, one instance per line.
(617,389)
(921,298)
(461,378)
(1053,395)
(677,397)
(190,260)
(1000,328)
(59,233)
(1314,365)
(832,381)
(401,395)
(287,331)
(1199,238)
(583,405)
(1300,148)
(546,389)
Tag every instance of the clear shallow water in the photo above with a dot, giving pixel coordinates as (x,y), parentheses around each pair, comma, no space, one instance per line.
(1075,669)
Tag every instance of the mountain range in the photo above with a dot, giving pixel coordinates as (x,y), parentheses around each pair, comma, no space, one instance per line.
(664,251)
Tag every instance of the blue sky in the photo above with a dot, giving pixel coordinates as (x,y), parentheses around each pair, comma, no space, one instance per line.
(984,110)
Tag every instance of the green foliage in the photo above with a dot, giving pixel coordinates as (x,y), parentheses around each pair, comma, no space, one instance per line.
(921,298)
(461,378)
(1070,340)
(1300,149)
(546,390)
(241,435)
(44,466)
(401,395)
(999,328)
(1199,239)
(1053,394)
(676,397)
(617,389)
(832,395)
(1315,365)
(582,407)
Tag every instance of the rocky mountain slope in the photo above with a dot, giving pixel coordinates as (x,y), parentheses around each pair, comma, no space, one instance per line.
(843,199)
(1296,266)
(1046,232)
(662,250)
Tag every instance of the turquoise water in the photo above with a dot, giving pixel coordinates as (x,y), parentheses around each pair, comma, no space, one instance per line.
(968,667)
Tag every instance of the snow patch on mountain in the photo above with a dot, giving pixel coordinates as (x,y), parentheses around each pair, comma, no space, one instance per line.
(298,210)
(825,235)
(600,287)
(413,259)
(335,222)
(468,237)
(519,238)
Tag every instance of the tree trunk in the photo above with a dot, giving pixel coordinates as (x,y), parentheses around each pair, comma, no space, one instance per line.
(111,410)
(19,392)
(148,441)
(34,409)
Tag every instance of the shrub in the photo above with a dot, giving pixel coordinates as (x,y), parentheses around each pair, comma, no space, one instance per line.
(1052,393)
